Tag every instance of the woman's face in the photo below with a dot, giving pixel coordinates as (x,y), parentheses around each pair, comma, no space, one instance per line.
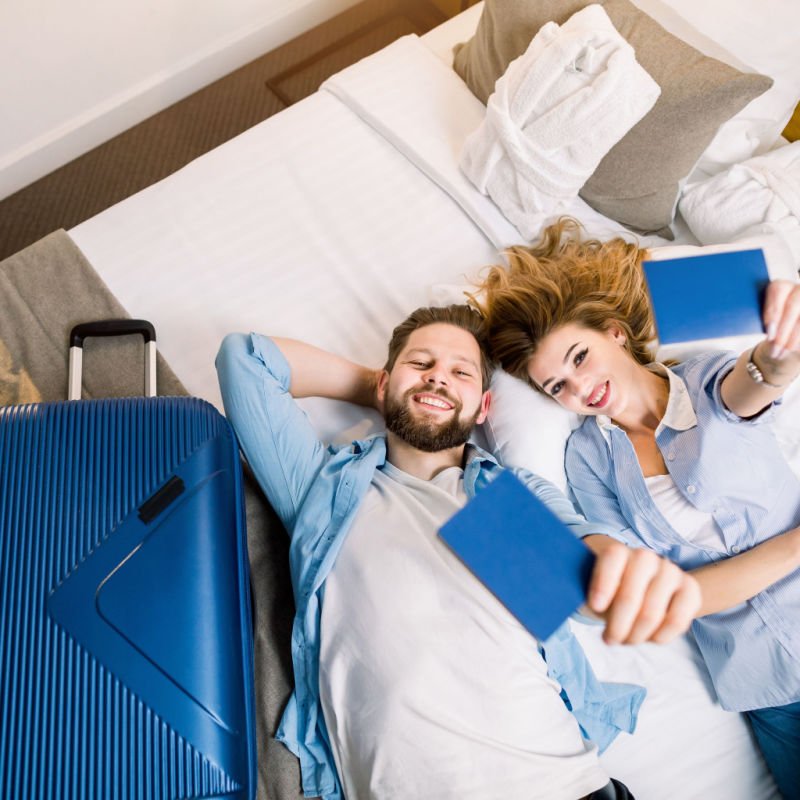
(584,370)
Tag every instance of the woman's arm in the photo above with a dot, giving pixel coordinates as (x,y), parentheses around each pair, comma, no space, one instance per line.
(777,358)
(317,373)
(734,580)
(724,583)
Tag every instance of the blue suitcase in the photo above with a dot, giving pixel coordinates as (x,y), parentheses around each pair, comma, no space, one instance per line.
(125,627)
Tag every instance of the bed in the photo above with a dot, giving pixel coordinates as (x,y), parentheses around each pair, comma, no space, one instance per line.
(331,221)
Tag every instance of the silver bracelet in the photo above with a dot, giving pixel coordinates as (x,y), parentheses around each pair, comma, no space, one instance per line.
(757,375)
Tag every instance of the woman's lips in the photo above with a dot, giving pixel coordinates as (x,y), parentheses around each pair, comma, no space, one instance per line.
(600,396)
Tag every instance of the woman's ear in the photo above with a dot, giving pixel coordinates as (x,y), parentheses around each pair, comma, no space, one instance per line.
(617,334)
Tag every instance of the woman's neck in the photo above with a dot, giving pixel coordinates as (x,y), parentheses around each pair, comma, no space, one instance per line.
(647,402)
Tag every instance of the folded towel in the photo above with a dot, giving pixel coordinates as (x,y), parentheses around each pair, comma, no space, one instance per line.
(557,110)
(760,195)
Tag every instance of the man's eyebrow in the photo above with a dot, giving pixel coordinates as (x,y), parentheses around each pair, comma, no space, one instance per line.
(566,357)
(429,353)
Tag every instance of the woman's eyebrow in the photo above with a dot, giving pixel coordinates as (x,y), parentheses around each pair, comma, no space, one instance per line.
(566,358)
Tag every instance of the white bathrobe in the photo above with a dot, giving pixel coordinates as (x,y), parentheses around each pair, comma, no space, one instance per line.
(557,110)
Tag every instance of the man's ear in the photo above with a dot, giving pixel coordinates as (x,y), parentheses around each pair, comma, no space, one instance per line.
(380,389)
(486,403)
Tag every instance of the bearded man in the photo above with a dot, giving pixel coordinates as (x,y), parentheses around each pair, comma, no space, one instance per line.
(411,679)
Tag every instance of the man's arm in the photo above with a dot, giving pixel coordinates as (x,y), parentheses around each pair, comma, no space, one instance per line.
(274,434)
(259,378)
(317,373)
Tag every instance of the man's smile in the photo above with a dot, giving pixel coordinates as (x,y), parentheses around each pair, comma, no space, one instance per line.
(433,401)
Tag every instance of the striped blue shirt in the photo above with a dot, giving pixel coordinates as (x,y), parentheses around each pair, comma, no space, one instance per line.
(733,469)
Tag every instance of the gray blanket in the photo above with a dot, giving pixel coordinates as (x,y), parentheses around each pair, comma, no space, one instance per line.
(45,290)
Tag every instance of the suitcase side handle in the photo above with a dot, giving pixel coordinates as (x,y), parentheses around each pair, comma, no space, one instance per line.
(111,327)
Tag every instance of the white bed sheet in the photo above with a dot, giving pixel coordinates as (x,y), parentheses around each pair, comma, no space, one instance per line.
(309,224)
(313,224)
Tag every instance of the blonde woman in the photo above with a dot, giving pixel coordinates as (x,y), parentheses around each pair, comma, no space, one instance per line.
(680,456)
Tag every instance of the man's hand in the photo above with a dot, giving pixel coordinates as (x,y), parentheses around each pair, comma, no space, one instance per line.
(641,596)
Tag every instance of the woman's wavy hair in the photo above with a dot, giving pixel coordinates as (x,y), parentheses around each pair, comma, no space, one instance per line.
(562,279)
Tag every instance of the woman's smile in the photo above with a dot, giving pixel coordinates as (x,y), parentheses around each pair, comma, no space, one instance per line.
(600,396)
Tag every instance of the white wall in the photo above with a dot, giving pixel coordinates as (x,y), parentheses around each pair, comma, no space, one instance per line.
(74,74)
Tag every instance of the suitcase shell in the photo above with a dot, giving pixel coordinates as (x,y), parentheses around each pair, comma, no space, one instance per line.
(125,625)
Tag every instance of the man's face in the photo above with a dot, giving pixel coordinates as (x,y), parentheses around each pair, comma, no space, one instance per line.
(433,396)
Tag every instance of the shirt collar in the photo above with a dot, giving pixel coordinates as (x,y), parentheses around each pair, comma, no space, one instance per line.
(679,415)
(471,450)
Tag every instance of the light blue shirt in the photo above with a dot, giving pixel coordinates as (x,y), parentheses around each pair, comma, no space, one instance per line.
(316,491)
(734,470)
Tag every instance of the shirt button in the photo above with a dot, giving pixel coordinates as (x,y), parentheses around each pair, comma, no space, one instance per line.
(736,549)
(671,455)
(690,489)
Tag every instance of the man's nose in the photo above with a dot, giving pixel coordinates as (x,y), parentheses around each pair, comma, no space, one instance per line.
(436,376)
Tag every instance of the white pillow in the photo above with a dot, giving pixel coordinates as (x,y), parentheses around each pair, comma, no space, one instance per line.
(527,429)
(752,36)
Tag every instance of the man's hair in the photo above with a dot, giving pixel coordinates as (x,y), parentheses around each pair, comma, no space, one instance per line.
(565,279)
(462,316)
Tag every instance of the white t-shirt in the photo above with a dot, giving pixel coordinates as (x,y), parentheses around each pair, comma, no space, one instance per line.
(697,527)
(430,687)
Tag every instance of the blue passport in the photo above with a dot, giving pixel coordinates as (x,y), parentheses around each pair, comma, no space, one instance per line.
(707,296)
(522,553)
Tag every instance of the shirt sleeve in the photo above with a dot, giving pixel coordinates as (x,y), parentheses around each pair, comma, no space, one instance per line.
(712,372)
(560,505)
(598,502)
(274,433)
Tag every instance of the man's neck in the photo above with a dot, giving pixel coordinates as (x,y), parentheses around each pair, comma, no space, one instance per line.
(419,463)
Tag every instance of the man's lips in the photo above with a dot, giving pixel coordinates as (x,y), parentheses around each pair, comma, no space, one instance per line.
(599,396)
(434,402)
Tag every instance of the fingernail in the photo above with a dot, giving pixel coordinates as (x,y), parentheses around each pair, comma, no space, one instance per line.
(776,352)
(772,329)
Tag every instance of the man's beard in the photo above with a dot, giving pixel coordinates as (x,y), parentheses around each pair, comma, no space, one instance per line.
(425,433)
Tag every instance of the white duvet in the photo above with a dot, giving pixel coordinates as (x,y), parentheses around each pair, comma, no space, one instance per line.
(760,195)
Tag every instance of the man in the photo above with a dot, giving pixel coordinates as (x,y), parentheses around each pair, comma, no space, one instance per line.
(411,679)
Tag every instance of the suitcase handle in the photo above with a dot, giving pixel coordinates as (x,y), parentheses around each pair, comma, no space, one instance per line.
(111,327)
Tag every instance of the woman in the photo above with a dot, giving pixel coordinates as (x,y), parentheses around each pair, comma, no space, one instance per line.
(681,456)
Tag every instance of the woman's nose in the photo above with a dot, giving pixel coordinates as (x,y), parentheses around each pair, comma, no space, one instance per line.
(581,386)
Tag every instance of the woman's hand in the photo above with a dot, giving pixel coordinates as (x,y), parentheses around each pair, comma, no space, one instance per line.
(781,317)
(641,596)
(777,358)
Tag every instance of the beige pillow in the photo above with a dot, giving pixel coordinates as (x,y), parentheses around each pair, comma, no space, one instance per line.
(639,180)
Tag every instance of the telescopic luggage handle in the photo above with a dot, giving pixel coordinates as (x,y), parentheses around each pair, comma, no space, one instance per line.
(111,327)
